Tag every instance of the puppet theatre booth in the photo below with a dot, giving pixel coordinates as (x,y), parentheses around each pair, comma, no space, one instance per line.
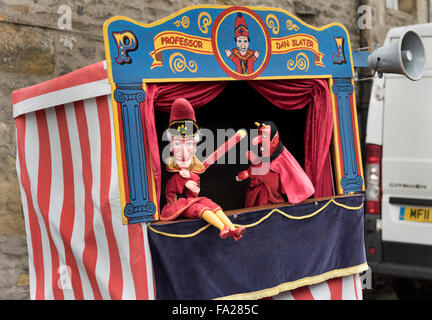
(123,197)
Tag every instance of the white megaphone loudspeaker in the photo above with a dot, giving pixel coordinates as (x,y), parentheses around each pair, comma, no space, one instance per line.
(404,56)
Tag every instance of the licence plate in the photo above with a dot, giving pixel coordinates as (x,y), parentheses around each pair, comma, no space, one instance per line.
(415,214)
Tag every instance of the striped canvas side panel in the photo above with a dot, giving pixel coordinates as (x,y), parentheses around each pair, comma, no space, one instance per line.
(343,288)
(78,246)
(32,231)
(63,273)
(44,174)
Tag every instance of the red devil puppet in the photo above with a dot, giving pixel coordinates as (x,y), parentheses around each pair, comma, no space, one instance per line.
(275,172)
(183,187)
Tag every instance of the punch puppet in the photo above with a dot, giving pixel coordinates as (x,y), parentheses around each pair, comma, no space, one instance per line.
(183,187)
(274,172)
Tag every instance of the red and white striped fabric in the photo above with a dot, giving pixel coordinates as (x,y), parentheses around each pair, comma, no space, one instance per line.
(66,161)
(343,288)
(78,247)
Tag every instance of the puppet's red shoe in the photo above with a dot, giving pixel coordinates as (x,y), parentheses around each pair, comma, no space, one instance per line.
(238,233)
(236,238)
(225,232)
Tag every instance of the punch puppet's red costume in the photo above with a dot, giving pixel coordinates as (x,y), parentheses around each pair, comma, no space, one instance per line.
(183,187)
(275,173)
(243,57)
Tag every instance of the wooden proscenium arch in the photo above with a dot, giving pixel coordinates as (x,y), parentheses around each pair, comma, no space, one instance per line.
(189,46)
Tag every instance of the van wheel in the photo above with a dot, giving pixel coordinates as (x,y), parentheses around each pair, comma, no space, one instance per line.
(412,289)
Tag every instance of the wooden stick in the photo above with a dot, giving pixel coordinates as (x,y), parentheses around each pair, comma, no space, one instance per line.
(228,145)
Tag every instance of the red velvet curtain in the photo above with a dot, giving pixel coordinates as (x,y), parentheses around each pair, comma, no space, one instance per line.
(285,94)
(161,97)
(297,94)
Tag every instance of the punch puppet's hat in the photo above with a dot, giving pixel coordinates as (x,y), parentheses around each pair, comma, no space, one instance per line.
(182,119)
(240,28)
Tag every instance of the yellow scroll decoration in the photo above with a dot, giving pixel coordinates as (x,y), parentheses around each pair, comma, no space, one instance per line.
(204,20)
(273,23)
(184,22)
(178,63)
(290,25)
(301,62)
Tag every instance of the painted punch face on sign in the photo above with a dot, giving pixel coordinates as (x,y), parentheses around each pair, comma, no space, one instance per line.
(247,56)
(243,44)
(243,57)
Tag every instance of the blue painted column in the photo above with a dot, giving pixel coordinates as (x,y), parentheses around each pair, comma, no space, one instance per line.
(351,180)
(140,208)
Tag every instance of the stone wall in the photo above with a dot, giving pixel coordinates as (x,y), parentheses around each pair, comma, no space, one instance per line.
(37,43)
(384,18)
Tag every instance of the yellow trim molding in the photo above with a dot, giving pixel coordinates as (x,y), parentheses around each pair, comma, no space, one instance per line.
(297,283)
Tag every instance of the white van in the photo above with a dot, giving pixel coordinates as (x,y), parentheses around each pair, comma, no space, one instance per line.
(398,230)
